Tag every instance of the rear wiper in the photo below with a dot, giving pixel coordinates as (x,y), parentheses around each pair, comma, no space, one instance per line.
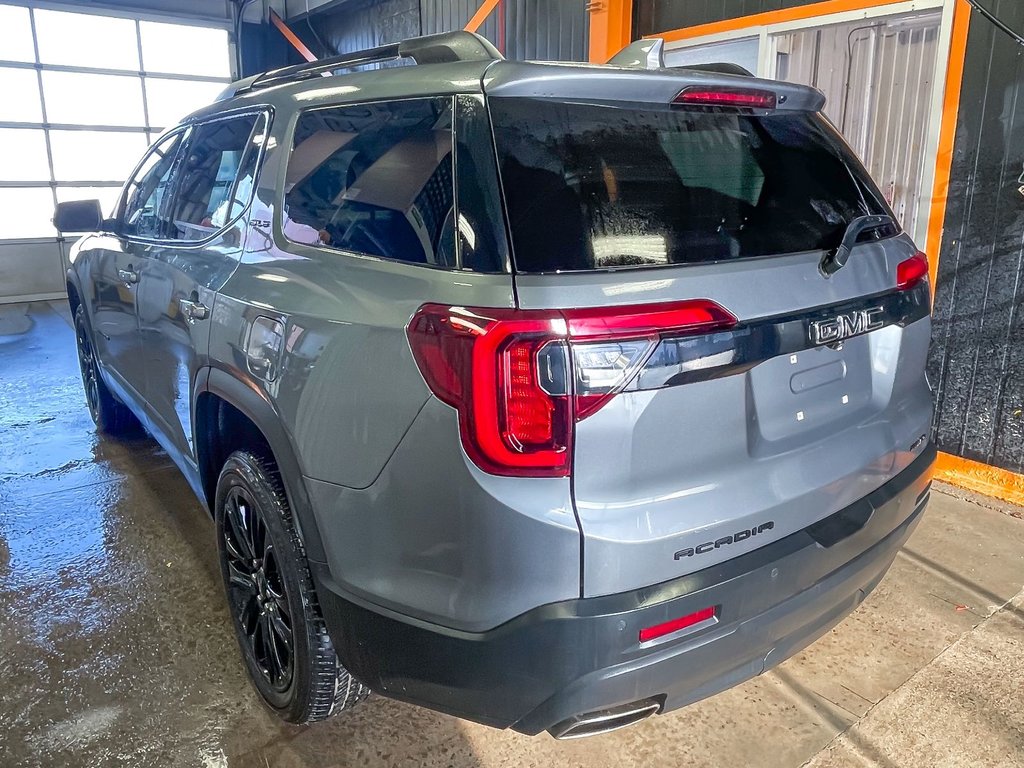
(836,260)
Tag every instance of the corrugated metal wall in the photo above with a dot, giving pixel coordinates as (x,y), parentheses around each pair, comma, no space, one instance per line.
(977,360)
(362,24)
(661,15)
(878,78)
(446,15)
(547,30)
(533,29)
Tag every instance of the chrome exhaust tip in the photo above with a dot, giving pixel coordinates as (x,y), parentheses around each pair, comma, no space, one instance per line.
(605,720)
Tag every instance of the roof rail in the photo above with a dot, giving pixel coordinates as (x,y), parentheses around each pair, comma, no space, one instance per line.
(429,49)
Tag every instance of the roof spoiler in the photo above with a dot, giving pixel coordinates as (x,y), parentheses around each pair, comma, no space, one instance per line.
(429,49)
(649,53)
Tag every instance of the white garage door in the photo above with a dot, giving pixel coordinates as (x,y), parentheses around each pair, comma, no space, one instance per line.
(83,95)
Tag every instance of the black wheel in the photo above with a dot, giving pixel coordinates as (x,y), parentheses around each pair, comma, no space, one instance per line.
(284,642)
(110,415)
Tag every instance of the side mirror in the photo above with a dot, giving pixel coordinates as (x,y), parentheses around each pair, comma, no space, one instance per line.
(78,216)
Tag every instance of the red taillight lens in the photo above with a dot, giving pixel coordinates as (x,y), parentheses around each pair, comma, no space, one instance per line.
(912,271)
(646,319)
(741,98)
(660,630)
(485,363)
(520,379)
(528,413)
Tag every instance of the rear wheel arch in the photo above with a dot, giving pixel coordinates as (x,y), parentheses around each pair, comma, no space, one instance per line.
(231,415)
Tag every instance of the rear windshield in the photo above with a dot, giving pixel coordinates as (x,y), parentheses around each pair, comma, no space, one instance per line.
(597,187)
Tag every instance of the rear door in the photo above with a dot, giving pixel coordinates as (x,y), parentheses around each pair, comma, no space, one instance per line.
(771,396)
(181,274)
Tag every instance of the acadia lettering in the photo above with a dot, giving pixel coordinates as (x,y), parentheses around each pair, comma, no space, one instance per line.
(725,541)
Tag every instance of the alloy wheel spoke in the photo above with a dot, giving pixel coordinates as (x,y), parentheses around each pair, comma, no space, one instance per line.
(281,630)
(274,662)
(239,578)
(259,637)
(249,619)
(281,603)
(235,554)
(238,529)
(257,533)
(275,582)
(247,521)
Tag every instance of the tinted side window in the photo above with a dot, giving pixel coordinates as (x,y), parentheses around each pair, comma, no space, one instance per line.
(246,180)
(146,199)
(375,179)
(209,169)
(483,243)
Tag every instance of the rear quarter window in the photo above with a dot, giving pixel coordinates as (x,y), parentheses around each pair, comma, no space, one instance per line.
(597,187)
(375,179)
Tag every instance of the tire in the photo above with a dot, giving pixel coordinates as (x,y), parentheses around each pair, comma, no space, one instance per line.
(281,633)
(111,416)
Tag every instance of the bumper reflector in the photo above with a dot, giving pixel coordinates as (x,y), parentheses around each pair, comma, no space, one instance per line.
(668,627)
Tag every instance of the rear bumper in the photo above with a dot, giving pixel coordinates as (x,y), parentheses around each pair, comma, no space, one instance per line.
(565,659)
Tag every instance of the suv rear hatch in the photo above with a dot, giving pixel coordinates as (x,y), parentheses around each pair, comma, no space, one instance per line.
(723,392)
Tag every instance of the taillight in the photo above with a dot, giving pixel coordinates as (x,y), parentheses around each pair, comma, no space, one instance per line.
(743,98)
(485,363)
(912,271)
(520,378)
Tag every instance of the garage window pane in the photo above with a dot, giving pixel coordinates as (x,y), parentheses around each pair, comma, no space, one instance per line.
(162,46)
(171,100)
(27,213)
(23,156)
(95,155)
(84,99)
(20,102)
(106,195)
(15,34)
(75,38)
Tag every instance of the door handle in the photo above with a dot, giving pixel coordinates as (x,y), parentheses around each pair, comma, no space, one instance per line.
(128,276)
(193,310)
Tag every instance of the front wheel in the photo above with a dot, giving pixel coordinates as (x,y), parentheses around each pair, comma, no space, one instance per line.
(109,414)
(284,642)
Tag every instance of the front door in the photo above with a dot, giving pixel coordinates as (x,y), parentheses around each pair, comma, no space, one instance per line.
(112,310)
(118,267)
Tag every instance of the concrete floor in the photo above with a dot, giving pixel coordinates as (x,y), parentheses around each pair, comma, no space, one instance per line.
(116,648)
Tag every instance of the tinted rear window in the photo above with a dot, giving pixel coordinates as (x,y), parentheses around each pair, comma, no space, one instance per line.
(598,187)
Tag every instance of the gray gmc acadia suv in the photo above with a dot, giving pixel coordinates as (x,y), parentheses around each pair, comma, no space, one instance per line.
(550,396)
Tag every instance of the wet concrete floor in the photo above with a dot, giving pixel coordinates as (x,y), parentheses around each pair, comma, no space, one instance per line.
(116,648)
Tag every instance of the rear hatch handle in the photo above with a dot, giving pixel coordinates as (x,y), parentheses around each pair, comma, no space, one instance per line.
(836,260)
